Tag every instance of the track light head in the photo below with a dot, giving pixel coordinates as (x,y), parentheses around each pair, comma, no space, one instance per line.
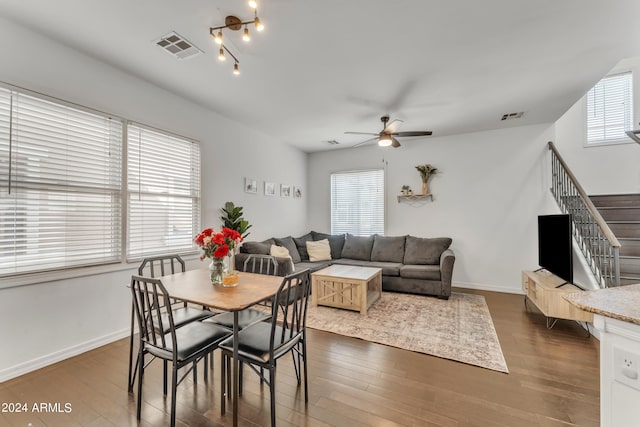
(218,37)
(253,4)
(236,69)
(245,34)
(259,25)
(221,56)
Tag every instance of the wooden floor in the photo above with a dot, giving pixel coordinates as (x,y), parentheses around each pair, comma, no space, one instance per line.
(553,380)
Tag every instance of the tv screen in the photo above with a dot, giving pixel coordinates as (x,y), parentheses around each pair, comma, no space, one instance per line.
(555,252)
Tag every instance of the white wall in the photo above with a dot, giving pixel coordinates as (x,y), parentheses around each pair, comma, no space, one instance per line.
(48,321)
(605,169)
(488,191)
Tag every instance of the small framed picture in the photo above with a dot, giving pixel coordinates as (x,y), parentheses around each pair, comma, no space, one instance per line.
(285,190)
(251,185)
(269,188)
(297,192)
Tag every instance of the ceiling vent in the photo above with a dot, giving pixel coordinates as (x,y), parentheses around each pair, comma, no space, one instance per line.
(333,142)
(510,116)
(177,46)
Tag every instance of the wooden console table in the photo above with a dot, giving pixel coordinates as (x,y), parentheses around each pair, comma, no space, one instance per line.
(546,291)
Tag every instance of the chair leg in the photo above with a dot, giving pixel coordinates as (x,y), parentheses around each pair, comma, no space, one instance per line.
(272,393)
(304,363)
(174,386)
(140,373)
(195,371)
(240,378)
(164,380)
(132,370)
(223,378)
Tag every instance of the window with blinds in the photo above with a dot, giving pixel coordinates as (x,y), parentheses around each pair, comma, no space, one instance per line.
(357,202)
(610,109)
(163,187)
(60,185)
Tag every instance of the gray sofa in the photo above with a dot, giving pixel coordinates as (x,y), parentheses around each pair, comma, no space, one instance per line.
(409,264)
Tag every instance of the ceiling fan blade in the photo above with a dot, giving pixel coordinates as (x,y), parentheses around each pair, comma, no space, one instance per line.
(393,126)
(394,143)
(413,133)
(361,133)
(364,142)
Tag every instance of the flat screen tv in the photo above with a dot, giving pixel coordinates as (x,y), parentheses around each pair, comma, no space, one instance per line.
(555,251)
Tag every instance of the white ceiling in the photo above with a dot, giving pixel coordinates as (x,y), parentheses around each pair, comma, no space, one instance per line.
(324,67)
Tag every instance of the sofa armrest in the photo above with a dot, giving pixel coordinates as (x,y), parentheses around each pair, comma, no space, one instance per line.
(447,259)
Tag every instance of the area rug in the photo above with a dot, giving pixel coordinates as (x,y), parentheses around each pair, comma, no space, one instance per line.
(459,329)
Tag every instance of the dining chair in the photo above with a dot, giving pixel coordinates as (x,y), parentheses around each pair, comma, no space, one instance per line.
(261,264)
(161,266)
(262,344)
(161,338)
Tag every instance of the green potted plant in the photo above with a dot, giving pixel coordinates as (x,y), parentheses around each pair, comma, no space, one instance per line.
(405,190)
(232,219)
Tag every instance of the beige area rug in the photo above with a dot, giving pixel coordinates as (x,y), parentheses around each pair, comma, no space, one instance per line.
(459,329)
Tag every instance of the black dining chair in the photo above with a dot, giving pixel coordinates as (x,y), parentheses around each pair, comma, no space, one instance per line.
(262,344)
(161,338)
(182,313)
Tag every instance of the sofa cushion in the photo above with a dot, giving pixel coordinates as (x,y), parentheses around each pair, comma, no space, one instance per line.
(425,272)
(336,241)
(255,248)
(288,243)
(301,245)
(319,251)
(312,266)
(281,252)
(388,268)
(425,251)
(357,247)
(388,248)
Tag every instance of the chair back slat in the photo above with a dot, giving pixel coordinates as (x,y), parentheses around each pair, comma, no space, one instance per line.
(161,266)
(261,264)
(152,308)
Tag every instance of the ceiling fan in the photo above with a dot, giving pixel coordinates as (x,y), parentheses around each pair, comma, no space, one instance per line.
(387,136)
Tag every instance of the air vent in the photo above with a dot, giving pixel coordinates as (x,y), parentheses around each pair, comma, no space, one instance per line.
(177,46)
(333,142)
(510,116)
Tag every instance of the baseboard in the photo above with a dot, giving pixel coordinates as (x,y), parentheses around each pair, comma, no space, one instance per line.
(49,359)
(491,288)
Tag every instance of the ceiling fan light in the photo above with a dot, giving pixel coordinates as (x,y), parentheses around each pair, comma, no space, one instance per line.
(384,141)
(259,25)
(245,34)
(218,37)
(253,4)
(221,56)
(236,69)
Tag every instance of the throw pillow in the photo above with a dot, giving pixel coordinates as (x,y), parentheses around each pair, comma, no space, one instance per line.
(319,251)
(336,241)
(301,245)
(255,248)
(425,251)
(357,247)
(281,252)
(288,243)
(388,248)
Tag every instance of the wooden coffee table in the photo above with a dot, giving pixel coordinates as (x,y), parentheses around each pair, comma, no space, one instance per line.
(346,286)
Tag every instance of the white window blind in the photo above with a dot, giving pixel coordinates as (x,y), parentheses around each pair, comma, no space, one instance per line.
(357,202)
(163,205)
(60,185)
(610,109)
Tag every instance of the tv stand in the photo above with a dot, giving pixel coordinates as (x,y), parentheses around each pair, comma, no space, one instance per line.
(546,291)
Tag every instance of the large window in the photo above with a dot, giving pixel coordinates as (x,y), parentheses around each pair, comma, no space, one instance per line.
(60,184)
(62,191)
(357,202)
(610,109)
(163,192)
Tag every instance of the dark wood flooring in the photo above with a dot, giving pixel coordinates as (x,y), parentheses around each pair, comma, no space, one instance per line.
(553,380)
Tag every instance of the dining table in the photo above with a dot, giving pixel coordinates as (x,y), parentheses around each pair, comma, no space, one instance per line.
(194,286)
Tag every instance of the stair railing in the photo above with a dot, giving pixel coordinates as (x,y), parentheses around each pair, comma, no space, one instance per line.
(597,242)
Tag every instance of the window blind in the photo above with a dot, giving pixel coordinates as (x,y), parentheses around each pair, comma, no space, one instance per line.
(357,202)
(163,185)
(610,109)
(60,185)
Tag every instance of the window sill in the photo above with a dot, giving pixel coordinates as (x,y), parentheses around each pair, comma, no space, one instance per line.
(608,143)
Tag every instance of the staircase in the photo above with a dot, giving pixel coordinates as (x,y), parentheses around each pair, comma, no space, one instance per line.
(622,214)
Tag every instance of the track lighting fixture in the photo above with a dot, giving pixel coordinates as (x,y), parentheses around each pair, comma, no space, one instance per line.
(235,24)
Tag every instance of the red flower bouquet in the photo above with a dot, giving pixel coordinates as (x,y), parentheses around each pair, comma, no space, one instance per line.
(217,245)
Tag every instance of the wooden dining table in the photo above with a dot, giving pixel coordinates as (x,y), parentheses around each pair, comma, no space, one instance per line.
(195,286)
